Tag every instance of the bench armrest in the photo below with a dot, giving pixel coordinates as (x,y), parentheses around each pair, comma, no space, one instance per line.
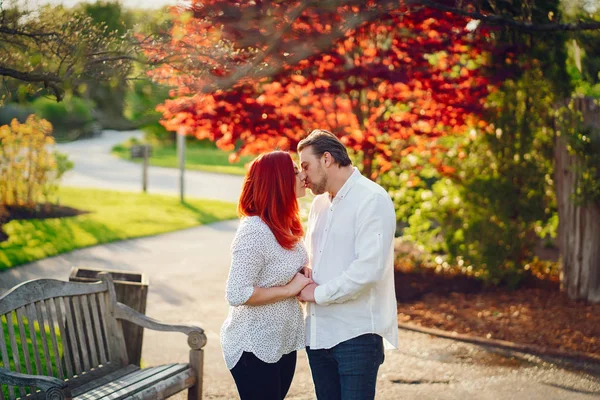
(53,387)
(196,336)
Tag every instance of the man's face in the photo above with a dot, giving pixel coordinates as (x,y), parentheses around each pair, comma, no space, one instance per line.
(315,177)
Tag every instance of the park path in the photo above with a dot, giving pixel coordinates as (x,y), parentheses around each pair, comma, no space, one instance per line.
(187,272)
(95,167)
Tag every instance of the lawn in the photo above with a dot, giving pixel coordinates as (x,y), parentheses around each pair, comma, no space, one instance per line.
(198,156)
(110,216)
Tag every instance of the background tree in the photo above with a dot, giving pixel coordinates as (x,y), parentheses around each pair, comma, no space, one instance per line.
(55,48)
(410,73)
(109,94)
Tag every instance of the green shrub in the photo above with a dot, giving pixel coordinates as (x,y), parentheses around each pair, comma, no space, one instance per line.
(13,110)
(71,118)
(496,198)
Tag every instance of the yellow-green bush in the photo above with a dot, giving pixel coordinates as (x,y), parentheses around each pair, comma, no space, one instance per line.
(29,166)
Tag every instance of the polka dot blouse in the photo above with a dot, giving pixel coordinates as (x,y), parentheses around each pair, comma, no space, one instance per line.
(268,331)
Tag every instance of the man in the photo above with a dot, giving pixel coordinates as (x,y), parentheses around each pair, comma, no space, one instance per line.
(352,305)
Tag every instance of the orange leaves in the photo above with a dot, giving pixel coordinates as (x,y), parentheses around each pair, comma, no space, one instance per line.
(432,34)
(299,79)
(387,81)
(370,52)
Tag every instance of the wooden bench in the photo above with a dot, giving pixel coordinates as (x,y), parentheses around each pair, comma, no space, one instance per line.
(76,348)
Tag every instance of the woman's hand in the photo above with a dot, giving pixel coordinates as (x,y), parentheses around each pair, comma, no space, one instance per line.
(307,272)
(297,284)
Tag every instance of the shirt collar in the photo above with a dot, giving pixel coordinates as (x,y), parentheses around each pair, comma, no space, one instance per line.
(347,185)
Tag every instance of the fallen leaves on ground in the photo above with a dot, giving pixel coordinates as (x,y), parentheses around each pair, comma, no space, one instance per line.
(535,314)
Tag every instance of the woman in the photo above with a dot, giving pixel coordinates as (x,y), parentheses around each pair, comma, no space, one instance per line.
(265,325)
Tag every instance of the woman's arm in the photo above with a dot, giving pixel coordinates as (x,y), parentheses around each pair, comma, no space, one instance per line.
(247,260)
(262,296)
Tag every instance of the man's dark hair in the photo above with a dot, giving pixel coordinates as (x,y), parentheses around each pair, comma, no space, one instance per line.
(323,141)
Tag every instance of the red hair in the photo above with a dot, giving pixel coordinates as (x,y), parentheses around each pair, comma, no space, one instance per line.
(269,192)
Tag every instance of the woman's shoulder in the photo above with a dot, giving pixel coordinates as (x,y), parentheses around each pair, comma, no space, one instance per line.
(253,224)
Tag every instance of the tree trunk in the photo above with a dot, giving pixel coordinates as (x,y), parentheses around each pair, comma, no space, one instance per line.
(579,226)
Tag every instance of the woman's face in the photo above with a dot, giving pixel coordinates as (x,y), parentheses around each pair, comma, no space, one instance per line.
(300,188)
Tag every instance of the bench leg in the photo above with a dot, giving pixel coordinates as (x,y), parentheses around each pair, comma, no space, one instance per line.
(197,364)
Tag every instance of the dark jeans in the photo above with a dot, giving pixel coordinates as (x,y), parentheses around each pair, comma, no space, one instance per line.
(258,380)
(347,371)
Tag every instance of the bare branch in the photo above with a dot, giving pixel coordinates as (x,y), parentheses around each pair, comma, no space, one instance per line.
(32,35)
(322,43)
(50,81)
(494,19)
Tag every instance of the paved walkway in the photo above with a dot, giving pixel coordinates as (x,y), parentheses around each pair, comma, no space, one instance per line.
(187,272)
(95,167)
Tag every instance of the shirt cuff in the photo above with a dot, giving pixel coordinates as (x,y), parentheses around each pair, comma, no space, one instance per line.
(240,295)
(321,297)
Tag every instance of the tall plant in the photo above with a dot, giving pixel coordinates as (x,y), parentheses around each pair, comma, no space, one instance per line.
(29,167)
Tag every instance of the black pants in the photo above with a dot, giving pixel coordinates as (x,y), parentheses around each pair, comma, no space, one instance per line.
(258,380)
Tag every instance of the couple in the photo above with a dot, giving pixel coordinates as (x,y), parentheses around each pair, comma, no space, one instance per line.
(343,271)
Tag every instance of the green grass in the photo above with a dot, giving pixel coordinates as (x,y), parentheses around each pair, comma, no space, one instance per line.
(20,349)
(112,216)
(198,156)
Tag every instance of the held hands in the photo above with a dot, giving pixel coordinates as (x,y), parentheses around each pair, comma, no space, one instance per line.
(307,272)
(298,283)
(308,293)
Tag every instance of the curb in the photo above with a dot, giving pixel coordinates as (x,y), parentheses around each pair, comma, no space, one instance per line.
(523,348)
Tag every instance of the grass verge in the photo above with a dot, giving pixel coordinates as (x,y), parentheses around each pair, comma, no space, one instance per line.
(111,216)
(198,156)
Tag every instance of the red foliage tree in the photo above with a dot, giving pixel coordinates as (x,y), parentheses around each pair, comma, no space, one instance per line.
(394,83)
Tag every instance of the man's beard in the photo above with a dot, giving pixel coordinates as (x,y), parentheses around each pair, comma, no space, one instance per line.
(319,188)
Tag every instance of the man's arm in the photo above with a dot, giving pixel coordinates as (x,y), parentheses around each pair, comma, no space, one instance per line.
(376,224)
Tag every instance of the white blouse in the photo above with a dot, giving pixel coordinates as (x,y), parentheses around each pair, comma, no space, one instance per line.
(268,331)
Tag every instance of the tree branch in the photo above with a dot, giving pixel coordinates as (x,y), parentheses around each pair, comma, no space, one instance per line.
(493,19)
(321,44)
(50,81)
(32,35)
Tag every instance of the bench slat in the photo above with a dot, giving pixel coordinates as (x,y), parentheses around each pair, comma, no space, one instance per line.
(96,322)
(26,355)
(5,359)
(167,387)
(115,375)
(103,317)
(42,289)
(24,346)
(36,354)
(44,339)
(149,380)
(14,348)
(80,334)
(72,340)
(63,336)
(55,351)
(118,384)
(89,331)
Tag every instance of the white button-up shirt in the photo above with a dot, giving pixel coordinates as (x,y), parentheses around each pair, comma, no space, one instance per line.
(350,241)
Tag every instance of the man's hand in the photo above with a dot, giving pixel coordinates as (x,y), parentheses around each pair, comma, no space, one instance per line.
(308,293)
(307,272)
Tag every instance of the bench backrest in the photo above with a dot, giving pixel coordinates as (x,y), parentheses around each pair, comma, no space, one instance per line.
(59,329)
